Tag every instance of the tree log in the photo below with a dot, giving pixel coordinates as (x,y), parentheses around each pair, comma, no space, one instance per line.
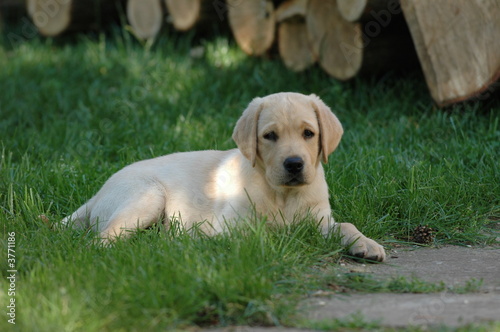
(183,14)
(292,35)
(55,17)
(145,17)
(345,49)
(335,42)
(458,45)
(186,14)
(253,24)
(362,10)
(292,44)
(290,9)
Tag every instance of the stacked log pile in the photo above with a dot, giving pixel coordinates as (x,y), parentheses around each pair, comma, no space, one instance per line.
(456,41)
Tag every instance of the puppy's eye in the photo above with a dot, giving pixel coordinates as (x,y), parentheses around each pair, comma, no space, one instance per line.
(308,134)
(271,136)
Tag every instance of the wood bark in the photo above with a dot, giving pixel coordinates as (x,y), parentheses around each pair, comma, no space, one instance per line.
(145,17)
(292,35)
(458,44)
(55,17)
(253,24)
(363,10)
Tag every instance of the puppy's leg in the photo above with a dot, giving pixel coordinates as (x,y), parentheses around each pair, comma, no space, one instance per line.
(360,245)
(80,218)
(138,212)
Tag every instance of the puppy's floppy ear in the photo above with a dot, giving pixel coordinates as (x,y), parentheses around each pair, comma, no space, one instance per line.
(245,132)
(330,128)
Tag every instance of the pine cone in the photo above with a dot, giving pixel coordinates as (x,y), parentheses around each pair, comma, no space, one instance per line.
(423,234)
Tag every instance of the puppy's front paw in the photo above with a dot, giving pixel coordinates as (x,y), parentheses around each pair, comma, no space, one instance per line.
(368,249)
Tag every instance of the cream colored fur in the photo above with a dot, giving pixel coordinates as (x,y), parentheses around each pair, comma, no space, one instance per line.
(223,187)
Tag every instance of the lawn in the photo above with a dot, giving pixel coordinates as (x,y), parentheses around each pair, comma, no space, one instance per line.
(72,113)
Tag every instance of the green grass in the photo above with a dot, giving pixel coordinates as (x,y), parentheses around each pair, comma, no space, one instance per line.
(72,114)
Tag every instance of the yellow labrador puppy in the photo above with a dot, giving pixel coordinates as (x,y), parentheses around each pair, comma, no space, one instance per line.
(275,172)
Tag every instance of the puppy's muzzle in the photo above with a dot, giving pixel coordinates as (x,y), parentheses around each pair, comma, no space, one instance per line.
(294,167)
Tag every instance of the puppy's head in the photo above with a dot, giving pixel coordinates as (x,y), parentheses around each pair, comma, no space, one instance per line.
(287,134)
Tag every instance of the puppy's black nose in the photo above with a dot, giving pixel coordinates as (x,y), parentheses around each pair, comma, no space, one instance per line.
(294,165)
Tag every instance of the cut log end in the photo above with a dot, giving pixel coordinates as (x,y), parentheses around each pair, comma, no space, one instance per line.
(292,44)
(252,24)
(335,42)
(351,10)
(145,17)
(51,19)
(290,9)
(341,53)
(363,10)
(183,14)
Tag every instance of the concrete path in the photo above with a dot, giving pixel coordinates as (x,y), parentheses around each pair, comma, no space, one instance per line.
(453,265)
